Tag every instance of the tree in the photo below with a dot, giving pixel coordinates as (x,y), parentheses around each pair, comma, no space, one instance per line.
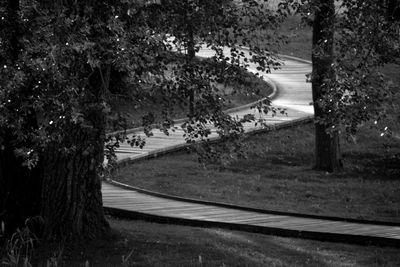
(327,150)
(70,200)
(350,44)
(56,60)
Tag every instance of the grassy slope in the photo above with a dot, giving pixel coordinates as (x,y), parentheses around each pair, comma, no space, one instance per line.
(278,173)
(167,245)
(299,38)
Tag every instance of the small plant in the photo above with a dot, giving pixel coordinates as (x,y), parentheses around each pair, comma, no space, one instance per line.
(18,249)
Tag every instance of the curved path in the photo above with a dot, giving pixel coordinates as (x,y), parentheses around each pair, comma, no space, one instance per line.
(293,94)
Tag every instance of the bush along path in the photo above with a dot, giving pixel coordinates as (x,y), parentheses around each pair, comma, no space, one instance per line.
(291,93)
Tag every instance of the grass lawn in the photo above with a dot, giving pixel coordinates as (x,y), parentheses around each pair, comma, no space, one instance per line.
(137,243)
(299,38)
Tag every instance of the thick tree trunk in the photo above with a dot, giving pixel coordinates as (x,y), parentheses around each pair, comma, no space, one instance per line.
(72,205)
(71,198)
(327,149)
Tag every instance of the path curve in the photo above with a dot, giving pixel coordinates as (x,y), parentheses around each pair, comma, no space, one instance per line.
(293,94)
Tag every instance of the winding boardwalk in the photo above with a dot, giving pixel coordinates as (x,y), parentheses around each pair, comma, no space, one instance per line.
(293,94)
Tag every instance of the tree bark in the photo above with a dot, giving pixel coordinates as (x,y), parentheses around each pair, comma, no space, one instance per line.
(327,148)
(71,193)
(72,205)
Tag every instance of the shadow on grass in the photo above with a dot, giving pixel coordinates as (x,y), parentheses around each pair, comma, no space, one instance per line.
(151,244)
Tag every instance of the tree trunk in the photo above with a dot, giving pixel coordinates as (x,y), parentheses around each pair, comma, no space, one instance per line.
(71,194)
(72,205)
(327,149)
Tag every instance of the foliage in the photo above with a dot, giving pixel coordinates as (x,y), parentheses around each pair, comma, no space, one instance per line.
(51,78)
(365,40)
(223,27)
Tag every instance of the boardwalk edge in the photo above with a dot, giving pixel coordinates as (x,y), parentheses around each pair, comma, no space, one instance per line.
(320,236)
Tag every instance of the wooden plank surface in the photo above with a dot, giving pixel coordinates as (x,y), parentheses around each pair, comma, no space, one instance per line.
(185,210)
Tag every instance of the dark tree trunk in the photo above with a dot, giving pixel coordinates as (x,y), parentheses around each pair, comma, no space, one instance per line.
(327,149)
(72,205)
(71,194)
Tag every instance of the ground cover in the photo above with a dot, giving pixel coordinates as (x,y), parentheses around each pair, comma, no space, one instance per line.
(299,37)
(137,243)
